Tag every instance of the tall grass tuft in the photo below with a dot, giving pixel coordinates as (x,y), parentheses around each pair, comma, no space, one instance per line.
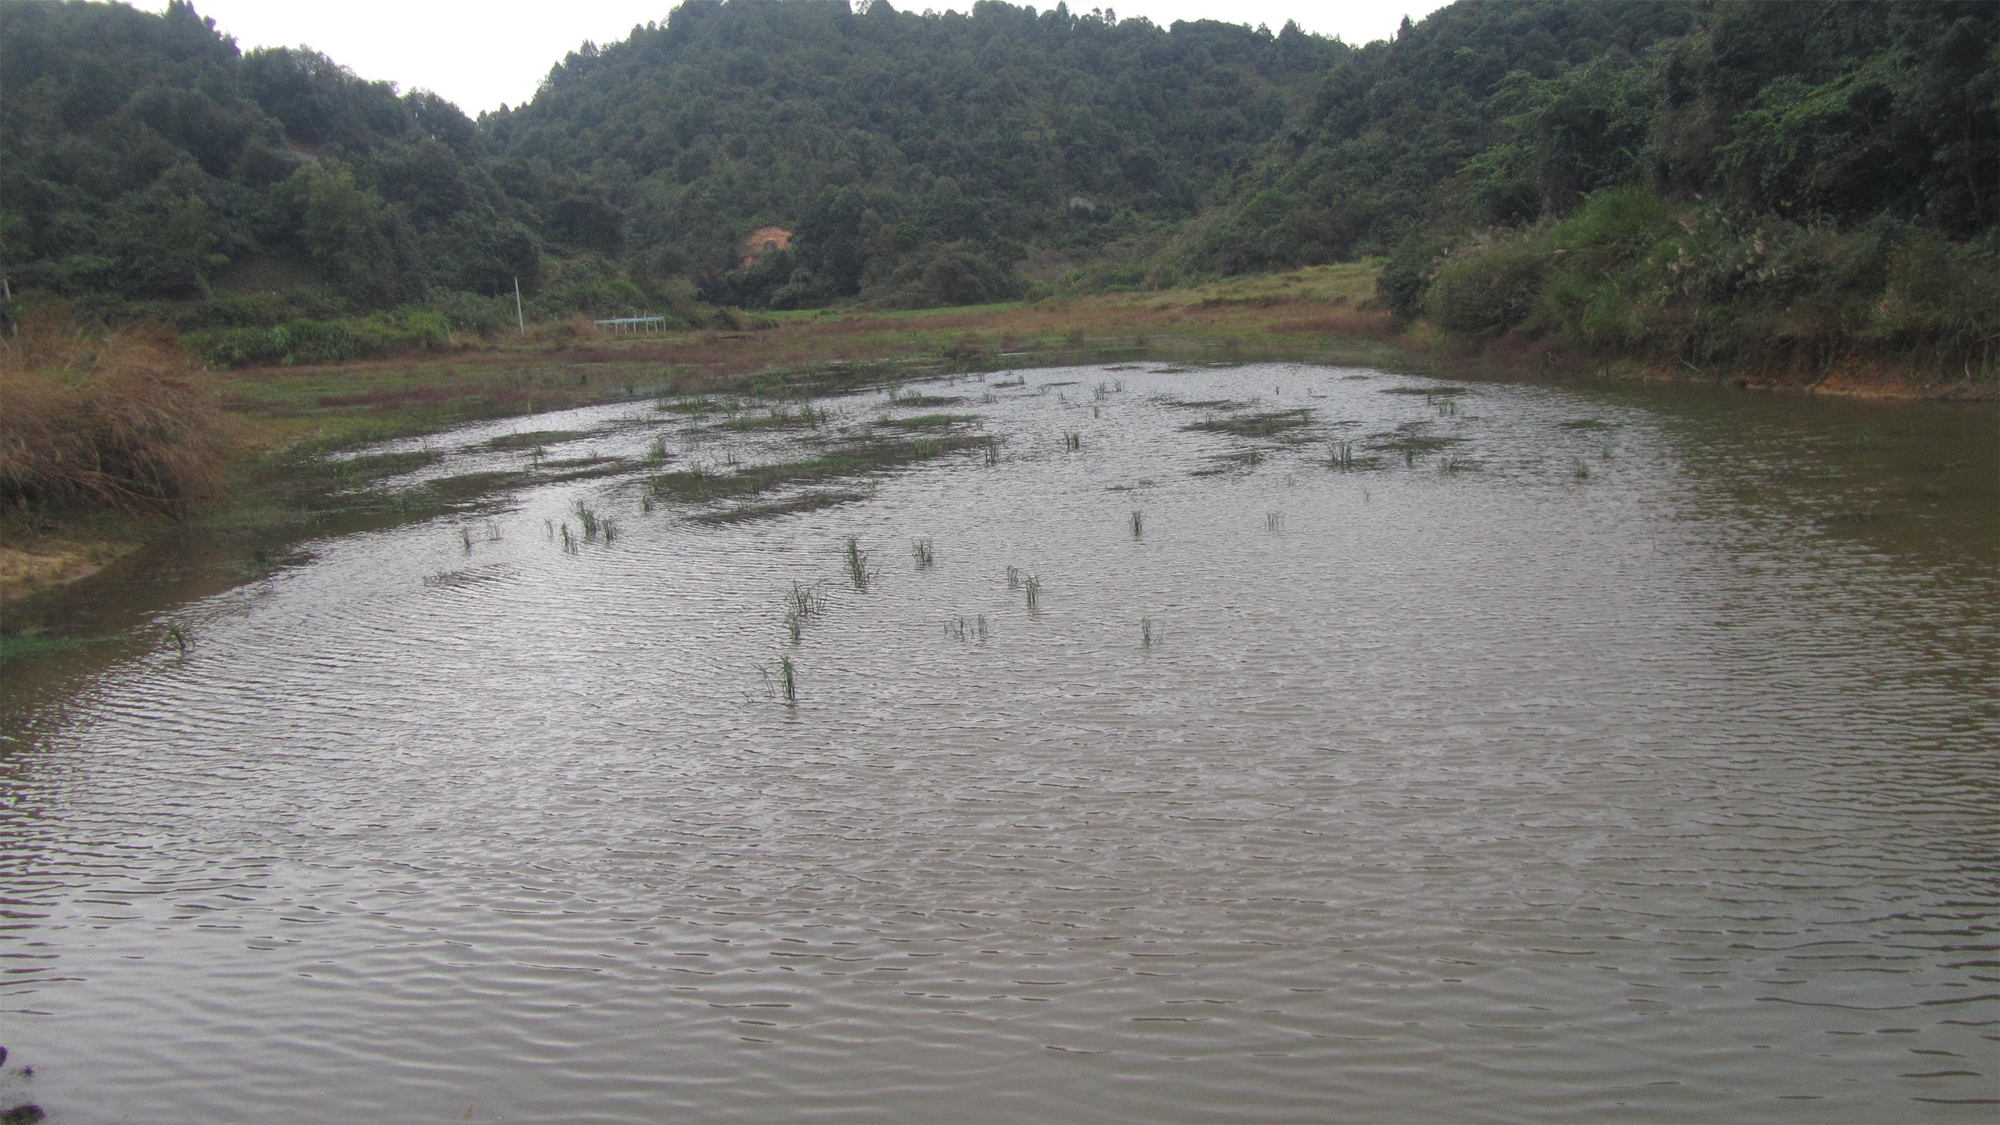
(857,563)
(1343,455)
(123,420)
(1072,442)
(1033,586)
(924,552)
(593,524)
(1138,523)
(806,601)
(784,682)
(1013,578)
(1149,633)
(1274,521)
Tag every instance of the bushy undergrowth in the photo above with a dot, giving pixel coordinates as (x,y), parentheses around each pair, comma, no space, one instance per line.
(119,420)
(1634,274)
(304,340)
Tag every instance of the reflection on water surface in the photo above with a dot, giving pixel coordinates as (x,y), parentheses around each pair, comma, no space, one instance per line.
(1489,752)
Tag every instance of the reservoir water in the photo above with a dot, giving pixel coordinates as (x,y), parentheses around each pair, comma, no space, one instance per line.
(1370,748)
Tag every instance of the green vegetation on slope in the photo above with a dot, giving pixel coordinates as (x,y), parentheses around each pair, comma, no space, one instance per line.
(917,157)
(1802,185)
(1685,183)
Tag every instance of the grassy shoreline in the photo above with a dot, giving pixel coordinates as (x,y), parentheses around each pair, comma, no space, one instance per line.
(282,421)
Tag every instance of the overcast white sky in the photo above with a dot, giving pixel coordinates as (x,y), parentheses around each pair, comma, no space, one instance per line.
(480,54)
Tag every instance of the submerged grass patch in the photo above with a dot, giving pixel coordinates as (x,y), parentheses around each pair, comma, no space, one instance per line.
(928,421)
(1204,403)
(1411,441)
(812,501)
(34,646)
(1254,425)
(528,440)
(698,483)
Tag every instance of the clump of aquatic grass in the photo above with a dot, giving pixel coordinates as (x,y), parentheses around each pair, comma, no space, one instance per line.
(1013,578)
(656,453)
(784,682)
(593,524)
(465,537)
(1579,469)
(925,448)
(1274,521)
(857,563)
(1138,523)
(179,636)
(1150,634)
(1072,442)
(122,420)
(961,628)
(646,502)
(802,604)
(806,601)
(570,542)
(1033,586)
(1343,455)
(992,451)
(924,552)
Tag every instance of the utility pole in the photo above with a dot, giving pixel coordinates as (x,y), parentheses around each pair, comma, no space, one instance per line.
(518,318)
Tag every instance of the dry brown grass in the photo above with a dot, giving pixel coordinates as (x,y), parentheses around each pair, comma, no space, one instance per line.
(123,420)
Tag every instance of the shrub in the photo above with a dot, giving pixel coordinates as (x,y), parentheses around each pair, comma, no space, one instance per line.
(121,419)
(1488,289)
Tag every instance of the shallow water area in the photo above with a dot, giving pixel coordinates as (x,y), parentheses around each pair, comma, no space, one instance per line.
(1369,747)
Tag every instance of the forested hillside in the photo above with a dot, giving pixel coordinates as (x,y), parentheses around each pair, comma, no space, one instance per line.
(919,157)
(1780,183)
(145,156)
(1768,182)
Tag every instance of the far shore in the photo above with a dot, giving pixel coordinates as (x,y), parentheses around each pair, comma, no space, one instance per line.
(1326,314)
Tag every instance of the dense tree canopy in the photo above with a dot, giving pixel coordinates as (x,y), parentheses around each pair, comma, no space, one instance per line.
(921,159)
(146,156)
(1503,114)
(886,136)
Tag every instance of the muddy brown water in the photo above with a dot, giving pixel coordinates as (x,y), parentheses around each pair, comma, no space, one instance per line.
(1570,753)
